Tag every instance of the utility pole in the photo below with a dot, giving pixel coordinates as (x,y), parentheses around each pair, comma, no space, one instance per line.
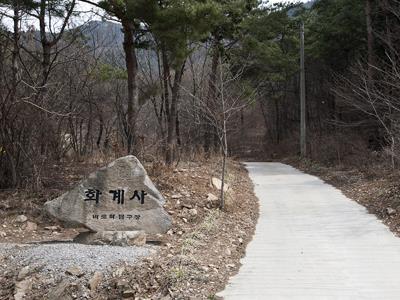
(303,147)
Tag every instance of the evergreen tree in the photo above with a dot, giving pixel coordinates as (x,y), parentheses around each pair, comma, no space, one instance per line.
(336,32)
(133,15)
(177,27)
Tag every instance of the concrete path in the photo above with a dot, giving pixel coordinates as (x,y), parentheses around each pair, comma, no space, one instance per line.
(312,242)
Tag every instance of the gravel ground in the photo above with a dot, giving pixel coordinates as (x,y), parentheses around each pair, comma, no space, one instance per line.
(55,258)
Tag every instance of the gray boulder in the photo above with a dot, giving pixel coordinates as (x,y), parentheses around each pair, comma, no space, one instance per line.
(115,238)
(118,197)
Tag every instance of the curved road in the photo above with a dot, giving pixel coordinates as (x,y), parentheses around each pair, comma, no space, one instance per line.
(312,242)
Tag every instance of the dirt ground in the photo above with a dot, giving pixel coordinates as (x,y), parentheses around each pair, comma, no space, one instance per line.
(193,260)
(374,186)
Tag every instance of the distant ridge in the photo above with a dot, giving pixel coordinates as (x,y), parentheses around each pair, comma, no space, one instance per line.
(105,33)
(309,4)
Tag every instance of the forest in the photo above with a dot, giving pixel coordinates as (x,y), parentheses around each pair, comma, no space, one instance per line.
(172,80)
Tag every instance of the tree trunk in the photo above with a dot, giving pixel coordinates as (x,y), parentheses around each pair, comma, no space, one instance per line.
(178,131)
(45,67)
(224,141)
(212,89)
(277,122)
(165,98)
(13,169)
(388,28)
(264,113)
(46,46)
(171,130)
(133,94)
(370,38)
(101,128)
(15,52)
(224,155)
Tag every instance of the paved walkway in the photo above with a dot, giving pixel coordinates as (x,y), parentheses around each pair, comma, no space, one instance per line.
(312,242)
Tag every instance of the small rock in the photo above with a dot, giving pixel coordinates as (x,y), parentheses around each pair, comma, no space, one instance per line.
(21,288)
(95,280)
(390,211)
(23,273)
(211,197)
(128,293)
(230,265)
(176,196)
(136,238)
(122,283)
(240,240)
(217,183)
(30,226)
(204,268)
(60,291)
(21,219)
(116,238)
(193,212)
(75,271)
(185,205)
(52,228)
(48,281)
(228,252)
(3,234)
(119,272)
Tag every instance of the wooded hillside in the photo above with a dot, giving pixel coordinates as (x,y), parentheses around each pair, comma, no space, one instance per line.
(168,79)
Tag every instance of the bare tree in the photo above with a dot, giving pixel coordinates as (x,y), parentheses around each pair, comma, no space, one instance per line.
(229,99)
(379,102)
